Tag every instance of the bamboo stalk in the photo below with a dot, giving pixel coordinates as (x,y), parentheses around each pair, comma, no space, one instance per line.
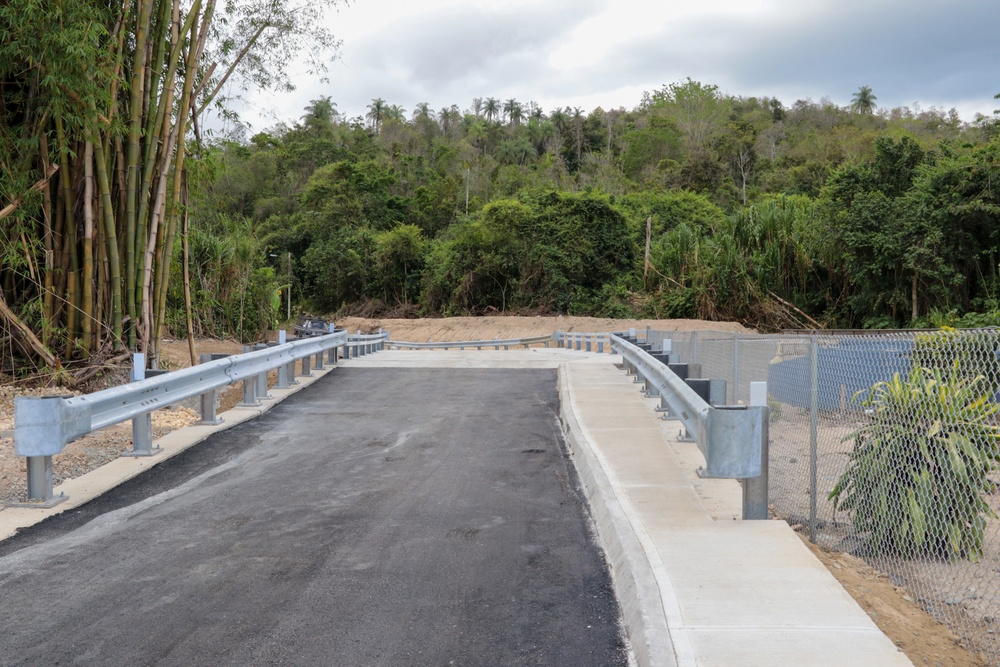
(88,249)
(186,258)
(47,240)
(132,164)
(110,241)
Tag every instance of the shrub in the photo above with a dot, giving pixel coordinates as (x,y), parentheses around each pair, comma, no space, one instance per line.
(964,354)
(920,466)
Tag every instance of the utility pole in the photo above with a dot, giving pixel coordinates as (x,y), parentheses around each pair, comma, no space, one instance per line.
(289,286)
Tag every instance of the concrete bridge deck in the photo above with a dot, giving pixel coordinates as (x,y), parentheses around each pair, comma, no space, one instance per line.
(697,586)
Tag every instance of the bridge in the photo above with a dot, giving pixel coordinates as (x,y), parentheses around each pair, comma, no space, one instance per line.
(424,507)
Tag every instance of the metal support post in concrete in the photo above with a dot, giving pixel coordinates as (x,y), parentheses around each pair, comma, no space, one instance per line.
(600,346)
(260,391)
(282,377)
(588,343)
(208,406)
(40,492)
(306,371)
(291,373)
(249,388)
(319,360)
(813,423)
(649,327)
(755,503)
(142,425)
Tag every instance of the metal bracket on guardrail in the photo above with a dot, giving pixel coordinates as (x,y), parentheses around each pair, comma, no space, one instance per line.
(732,439)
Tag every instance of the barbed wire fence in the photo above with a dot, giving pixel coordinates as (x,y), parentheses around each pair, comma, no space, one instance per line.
(885,446)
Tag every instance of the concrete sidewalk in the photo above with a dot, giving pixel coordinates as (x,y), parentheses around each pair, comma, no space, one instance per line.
(729,592)
(697,585)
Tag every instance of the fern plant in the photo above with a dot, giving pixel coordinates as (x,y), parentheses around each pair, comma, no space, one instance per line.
(920,466)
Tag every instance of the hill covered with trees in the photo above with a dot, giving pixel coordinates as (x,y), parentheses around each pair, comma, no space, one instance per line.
(121,219)
(692,204)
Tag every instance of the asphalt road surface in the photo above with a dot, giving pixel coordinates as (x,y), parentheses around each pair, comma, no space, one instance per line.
(379,517)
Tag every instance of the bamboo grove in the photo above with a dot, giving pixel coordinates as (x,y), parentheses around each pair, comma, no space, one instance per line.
(100,104)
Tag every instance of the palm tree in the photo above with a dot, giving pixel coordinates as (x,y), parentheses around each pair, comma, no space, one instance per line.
(491,109)
(578,118)
(863,101)
(394,112)
(541,132)
(513,111)
(319,115)
(560,119)
(422,110)
(376,113)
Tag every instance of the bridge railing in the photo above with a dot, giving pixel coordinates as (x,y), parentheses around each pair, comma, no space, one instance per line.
(44,426)
(577,340)
(732,438)
(496,343)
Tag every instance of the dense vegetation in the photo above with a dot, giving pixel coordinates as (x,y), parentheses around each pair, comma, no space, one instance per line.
(773,215)
(119,221)
(100,105)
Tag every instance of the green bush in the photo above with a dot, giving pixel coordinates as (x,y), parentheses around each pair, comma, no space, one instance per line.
(920,466)
(964,354)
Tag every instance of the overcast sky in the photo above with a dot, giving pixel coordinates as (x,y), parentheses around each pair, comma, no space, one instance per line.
(590,53)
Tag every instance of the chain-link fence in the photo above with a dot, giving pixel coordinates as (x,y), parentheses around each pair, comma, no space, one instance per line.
(887,447)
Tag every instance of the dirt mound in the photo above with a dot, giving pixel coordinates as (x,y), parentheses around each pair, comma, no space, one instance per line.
(500,326)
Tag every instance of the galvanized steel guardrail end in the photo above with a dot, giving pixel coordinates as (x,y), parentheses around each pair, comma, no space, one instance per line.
(44,425)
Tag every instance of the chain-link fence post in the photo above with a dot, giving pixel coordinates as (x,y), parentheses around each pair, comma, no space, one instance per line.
(813,426)
(736,368)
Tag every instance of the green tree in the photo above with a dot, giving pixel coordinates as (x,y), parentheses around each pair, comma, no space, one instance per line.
(863,101)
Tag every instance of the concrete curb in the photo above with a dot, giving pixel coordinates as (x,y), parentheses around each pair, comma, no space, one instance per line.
(85,488)
(634,579)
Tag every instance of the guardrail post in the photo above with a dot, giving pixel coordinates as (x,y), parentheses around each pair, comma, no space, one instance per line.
(282,377)
(208,406)
(40,492)
(261,389)
(249,388)
(755,502)
(649,327)
(588,343)
(600,345)
(319,360)
(142,425)
(305,367)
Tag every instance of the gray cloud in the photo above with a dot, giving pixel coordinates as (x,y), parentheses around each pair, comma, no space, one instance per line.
(466,52)
(917,50)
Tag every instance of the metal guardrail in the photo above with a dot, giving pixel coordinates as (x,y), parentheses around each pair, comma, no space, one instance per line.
(43,426)
(733,439)
(497,343)
(564,339)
